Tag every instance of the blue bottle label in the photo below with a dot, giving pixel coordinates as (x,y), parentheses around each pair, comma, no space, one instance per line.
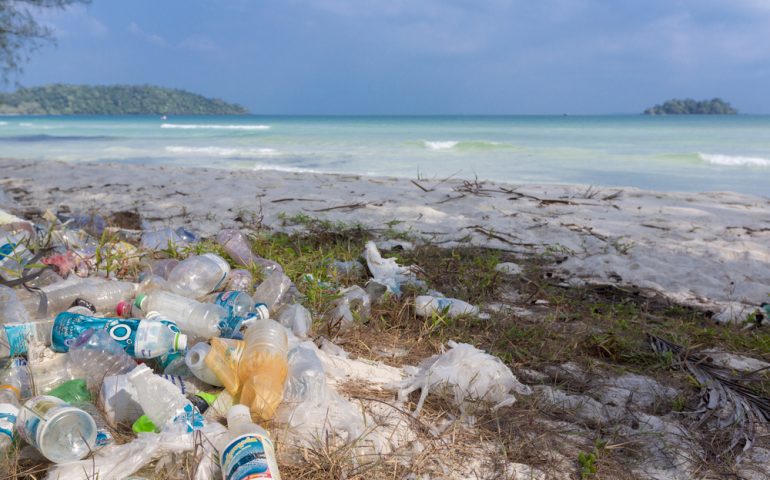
(17,338)
(230,327)
(8,415)
(7,249)
(191,418)
(247,458)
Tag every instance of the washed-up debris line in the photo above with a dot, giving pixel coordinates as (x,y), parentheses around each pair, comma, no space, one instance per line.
(196,352)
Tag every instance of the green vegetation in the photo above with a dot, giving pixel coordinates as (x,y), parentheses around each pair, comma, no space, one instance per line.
(59,99)
(676,106)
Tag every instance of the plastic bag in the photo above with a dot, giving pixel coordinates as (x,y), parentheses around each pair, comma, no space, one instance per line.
(387,272)
(297,319)
(468,374)
(354,301)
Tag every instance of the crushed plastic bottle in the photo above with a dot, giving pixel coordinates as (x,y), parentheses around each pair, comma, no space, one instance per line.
(14,254)
(163,403)
(263,368)
(161,239)
(16,337)
(271,291)
(198,275)
(139,338)
(236,245)
(104,295)
(194,318)
(242,311)
(61,432)
(426,306)
(239,280)
(296,318)
(247,452)
(99,356)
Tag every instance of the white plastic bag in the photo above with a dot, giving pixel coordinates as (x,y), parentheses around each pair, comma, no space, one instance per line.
(387,272)
(468,374)
(352,299)
(296,318)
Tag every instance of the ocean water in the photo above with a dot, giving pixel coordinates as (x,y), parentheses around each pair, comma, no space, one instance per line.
(728,153)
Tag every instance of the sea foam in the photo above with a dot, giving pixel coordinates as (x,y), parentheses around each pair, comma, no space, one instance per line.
(222,152)
(446,145)
(729,160)
(193,126)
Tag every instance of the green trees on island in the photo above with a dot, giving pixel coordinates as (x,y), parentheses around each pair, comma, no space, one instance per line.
(61,99)
(688,106)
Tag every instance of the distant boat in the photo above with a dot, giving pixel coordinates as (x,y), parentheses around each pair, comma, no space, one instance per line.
(163,117)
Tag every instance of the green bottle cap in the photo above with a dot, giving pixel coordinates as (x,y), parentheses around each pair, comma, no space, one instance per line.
(210,398)
(143,424)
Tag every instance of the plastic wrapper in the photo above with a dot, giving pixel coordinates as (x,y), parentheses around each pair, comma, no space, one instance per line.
(387,272)
(468,375)
(297,319)
(116,462)
(161,239)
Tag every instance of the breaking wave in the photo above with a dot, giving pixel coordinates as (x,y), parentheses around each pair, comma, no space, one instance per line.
(223,152)
(734,161)
(281,168)
(465,145)
(185,126)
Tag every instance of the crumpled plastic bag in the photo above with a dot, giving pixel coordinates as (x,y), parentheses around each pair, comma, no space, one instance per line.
(387,272)
(468,375)
(312,412)
(352,299)
(296,318)
(116,462)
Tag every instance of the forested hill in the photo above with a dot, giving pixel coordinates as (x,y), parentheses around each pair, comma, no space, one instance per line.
(61,99)
(689,106)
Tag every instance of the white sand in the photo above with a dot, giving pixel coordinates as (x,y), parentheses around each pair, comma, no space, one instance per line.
(709,250)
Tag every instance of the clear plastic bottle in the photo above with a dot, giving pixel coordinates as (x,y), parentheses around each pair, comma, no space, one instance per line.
(198,275)
(195,360)
(61,432)
(14,253)
(272,289)
(16,337)
(163,403)
(198,319)
(242,311)
(426,305)
(10,392)
(11,309)
(235,244)
(99,356)
(104,295)
(263,368)
(247,451)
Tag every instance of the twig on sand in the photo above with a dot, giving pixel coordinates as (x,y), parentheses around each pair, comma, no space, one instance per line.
(350,206)
(426,190)
(280,200)
(497,235)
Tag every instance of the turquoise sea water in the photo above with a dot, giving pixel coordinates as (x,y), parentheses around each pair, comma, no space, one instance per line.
(659,153)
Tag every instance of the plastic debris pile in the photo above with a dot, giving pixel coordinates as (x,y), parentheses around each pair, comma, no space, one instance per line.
(100,336)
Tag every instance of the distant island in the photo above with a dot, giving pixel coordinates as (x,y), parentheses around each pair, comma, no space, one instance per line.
(60,99)
(688,106)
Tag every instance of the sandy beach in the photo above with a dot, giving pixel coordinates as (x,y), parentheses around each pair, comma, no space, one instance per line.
(706,250)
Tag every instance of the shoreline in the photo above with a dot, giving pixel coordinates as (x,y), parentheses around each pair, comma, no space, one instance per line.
(706,250)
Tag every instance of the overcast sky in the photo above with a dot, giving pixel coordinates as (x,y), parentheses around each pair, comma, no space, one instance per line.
(421,56)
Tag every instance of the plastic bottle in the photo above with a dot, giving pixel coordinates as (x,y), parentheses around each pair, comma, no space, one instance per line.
(195,361)
(263,368)
(11,309)
(223,359)
(247,451)
(15,337)
(161,239)
(99,356)
(10,392)
(425,306)
(235,244)
(198,275)
(76,394)
(14,254)
(239,280)
(163,403)
(198,319)
(272,289)
(242,311)
(104,295)
(61,432)
(139,338)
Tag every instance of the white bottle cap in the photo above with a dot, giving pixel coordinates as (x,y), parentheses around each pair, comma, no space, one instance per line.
(180,342)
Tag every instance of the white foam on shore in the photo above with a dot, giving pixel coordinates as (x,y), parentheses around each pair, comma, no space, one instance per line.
(184,126)
(222,152)
(3,123)
(445,145)
(280,168)
(734,161)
